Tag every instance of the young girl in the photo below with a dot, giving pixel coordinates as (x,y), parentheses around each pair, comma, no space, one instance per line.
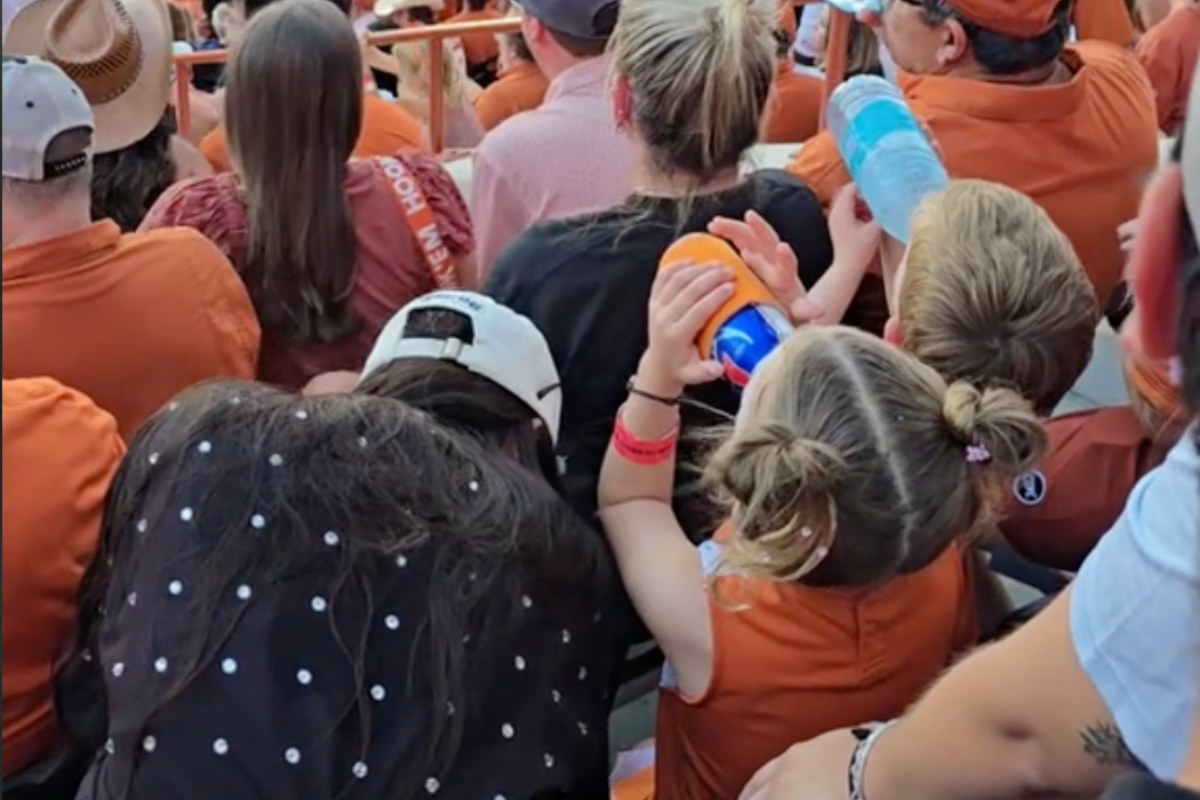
(837,590)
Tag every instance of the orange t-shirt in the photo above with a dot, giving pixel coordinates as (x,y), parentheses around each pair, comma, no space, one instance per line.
(1061,510)
(1082,149)
(60,454)
(521,87)
(793,108)
(131,320)
(797,662)
(1103,20)
(386,128)
(480,48)
(1169,52)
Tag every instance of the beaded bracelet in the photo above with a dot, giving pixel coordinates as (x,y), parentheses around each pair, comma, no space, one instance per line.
(857,770)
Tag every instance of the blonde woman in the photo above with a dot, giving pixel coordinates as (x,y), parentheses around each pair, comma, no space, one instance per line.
(837,589)
(689,88)
(460,125)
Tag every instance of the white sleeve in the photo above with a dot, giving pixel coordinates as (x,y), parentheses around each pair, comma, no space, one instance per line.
(1135,612)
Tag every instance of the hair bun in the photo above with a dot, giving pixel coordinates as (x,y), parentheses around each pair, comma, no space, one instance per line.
(961,410)
(771,469)
(999,421)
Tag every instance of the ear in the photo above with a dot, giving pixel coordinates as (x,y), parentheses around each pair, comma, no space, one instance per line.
(533,30)
(891,332)
(622,101)
(1154,268)
(954,44)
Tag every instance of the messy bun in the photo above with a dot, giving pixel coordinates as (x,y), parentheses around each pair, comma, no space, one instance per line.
(699,72)
(781,488)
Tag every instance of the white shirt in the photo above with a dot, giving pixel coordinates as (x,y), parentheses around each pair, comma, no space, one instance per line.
(1135,612)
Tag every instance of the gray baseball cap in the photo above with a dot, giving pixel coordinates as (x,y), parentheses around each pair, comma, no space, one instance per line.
(40,104)
(583,19)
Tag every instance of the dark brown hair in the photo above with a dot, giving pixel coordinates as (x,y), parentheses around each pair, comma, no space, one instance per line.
(126,182)
(293,115)
(391,481)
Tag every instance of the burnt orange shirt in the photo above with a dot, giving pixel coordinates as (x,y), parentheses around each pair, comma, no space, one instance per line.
(131,320)
(480,48)
(797,662)
(1169,52)
(521,87)
(1082,149)
(60,454)
(386,128)
(793,108)
(1059,512)
(1104,20)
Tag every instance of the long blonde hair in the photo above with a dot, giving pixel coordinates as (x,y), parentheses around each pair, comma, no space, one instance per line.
(699,72)
(412,64)
(856,463)
(994,294)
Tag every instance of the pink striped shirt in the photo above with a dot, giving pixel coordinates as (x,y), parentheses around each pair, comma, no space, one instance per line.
(564,158)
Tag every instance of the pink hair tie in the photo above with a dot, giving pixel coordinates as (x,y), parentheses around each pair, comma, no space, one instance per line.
(978,454)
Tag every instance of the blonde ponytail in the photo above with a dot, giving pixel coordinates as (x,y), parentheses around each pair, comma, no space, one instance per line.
(699,72)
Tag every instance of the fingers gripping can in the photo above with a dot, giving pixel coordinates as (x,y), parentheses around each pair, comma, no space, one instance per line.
(747,326)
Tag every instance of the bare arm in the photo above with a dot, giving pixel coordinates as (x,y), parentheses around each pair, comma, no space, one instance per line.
(1018,719)
(659,566)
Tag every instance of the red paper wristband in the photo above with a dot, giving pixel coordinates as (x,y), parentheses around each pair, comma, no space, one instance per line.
(643,452)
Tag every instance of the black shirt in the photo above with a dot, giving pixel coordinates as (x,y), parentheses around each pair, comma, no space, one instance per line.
(585,283)
(256,654)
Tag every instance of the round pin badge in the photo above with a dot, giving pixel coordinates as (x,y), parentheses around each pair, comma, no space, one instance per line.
(1030,488)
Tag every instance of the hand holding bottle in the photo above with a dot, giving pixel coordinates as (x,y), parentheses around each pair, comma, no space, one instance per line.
(683,299)
(856,235)
(771,259)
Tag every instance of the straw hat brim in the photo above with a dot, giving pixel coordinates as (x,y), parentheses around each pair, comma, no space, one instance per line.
(127,119)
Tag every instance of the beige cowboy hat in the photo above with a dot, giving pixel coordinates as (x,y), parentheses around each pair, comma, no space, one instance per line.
(384,9)
(117,51)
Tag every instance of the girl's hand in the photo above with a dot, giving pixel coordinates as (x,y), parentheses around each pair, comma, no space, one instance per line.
(771,259)
(683,299)
(855,240)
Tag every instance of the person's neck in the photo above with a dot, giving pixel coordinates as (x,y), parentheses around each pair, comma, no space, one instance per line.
(1050,73)
(650,182)
(64,219)
(555,64)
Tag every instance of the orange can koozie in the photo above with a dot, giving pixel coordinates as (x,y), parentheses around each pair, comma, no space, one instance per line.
(747,326)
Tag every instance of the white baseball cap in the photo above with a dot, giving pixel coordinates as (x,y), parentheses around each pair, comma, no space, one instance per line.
(506,348)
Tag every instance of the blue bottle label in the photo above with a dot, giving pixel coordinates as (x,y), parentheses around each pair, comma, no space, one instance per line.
(869,127)
(746,339)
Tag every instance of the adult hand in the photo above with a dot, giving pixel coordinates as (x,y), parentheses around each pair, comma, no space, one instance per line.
(684,297)
(856,236)
(814,770)
(771,259)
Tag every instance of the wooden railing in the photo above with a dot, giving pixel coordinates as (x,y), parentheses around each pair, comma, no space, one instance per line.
(835,67)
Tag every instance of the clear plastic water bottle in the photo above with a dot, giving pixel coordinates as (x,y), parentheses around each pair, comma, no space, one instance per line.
(857,6)
(889,158)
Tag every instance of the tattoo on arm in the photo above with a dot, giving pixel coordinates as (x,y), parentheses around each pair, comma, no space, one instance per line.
(1104,744)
